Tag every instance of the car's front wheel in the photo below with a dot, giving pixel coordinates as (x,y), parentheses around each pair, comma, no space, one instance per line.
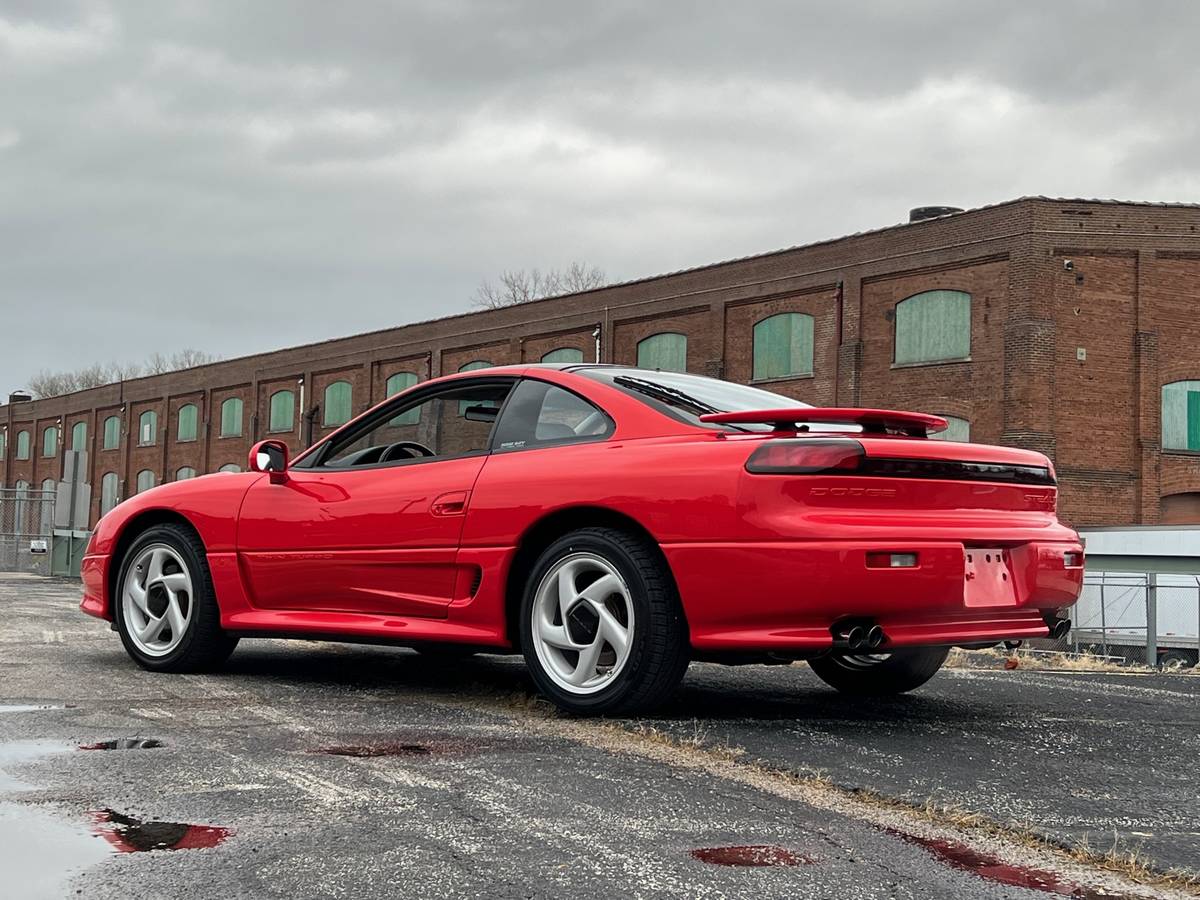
(166,609)
(879,674)
(602,628)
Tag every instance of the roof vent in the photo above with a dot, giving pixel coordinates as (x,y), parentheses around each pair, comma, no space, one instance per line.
(20,397)
(921,213)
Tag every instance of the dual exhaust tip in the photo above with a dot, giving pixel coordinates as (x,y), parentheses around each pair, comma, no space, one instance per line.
(1059,628)
(859,637)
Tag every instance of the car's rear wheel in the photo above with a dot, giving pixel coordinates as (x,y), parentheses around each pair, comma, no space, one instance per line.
(602,628)
(879,674)
(166,609)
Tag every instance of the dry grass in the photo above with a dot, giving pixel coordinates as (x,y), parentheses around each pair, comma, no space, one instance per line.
(1041,661)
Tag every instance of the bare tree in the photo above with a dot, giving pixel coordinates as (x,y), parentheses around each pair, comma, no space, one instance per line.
(523,285)
(52,384)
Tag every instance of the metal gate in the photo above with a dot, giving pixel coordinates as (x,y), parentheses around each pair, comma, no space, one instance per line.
(26,529)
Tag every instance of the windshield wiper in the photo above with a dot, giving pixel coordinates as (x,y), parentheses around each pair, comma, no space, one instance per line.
(669,395)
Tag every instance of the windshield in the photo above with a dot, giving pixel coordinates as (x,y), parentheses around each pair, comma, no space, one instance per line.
(688,397)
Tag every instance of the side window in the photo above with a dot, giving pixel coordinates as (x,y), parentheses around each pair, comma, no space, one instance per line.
(426,427)
(541,414)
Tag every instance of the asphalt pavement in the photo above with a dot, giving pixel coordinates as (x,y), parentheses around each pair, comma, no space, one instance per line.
(330,770)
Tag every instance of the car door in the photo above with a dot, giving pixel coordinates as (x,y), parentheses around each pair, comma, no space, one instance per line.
(371,521)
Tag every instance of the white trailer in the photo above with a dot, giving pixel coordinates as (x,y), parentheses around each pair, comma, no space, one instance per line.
(1136,576)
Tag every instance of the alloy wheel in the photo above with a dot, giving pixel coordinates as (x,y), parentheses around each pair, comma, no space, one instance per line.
(583,623)
(157,600)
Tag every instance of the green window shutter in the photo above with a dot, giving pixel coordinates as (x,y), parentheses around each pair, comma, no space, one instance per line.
(112,433)
(79,436)
(666,351)
(184,473)
(563,355)
(1193,419)
(933,326)
(338,403)
(185,430)
(231,417)
(283,411)
(22,445)
(471,367)
(783,346)
(3,449)
(108,492)
(959,430)
(402,381)
(145,480)
(1181,415)
(50,441)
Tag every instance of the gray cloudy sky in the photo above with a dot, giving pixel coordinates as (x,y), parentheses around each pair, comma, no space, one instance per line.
(238,176)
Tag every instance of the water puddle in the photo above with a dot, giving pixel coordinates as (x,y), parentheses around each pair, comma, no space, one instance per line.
(991,868)
(124,744)
(751,855)
(129,835)
(372,750)
(41,851)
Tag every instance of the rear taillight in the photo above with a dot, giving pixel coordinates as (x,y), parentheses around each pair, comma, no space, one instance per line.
(806,456)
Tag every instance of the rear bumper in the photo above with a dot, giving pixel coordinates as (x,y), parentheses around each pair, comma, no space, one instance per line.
(787,595)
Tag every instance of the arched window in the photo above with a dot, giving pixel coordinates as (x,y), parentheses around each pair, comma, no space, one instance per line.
(109,492)
(147,428)
(339,400)
(783,346)
(1181,415)
(934,326)
(184,473)
(402,381)
(3,448)
(471,367)
(185,430)
(1181,509)
(666,351)
(79,436)
(145,480)
(959,430)
(563,355)
(230,467)
(112,433)
(50,441)
(231,417)
(283,411)
(22,445)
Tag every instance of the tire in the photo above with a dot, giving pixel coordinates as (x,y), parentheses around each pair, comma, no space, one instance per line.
(1176,659)
(881,674)
(173,558)
(622,645)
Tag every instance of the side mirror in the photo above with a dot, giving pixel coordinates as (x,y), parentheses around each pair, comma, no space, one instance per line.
(270,456)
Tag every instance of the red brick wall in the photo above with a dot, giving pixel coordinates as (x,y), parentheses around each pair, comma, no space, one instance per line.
(1130,300)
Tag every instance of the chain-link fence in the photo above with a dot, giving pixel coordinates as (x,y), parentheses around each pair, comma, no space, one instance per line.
(26,529)
(1136,618)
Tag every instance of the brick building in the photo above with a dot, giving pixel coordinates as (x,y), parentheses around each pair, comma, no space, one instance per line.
(1068,326)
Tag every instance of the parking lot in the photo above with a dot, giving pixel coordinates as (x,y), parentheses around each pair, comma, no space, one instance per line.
(329,770)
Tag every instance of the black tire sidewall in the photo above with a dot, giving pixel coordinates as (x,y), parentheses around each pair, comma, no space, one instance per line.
(202,601)
(612,552)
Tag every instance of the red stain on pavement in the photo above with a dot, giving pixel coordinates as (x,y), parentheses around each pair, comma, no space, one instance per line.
(751,855)
(992,868)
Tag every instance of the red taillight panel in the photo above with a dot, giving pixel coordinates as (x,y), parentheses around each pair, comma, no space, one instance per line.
(806,456)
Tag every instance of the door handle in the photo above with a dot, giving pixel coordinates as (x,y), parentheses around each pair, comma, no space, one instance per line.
(451,504)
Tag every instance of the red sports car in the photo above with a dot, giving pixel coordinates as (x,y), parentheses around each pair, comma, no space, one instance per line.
(609,523)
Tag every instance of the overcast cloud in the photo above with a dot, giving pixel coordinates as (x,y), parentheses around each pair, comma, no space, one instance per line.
(243,176)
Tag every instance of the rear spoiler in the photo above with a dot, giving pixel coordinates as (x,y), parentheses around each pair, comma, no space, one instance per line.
(873,421)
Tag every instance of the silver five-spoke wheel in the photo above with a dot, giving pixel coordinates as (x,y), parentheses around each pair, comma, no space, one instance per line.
(157,597)
(583,623)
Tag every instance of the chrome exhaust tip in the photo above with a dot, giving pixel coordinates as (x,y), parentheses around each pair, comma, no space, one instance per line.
(855,638)
(875,637)
(1060,628)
